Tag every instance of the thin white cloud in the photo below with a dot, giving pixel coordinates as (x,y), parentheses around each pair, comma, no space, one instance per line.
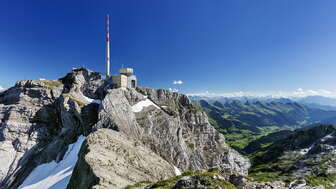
(319,92)
(178,82)
(2,88)
(298,93)
(173,90)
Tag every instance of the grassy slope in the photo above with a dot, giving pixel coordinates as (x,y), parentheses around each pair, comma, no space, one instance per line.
(170,183)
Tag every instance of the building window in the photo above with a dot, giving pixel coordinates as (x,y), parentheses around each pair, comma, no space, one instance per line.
(133,83)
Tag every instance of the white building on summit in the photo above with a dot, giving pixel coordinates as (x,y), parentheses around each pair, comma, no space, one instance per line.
(126,78)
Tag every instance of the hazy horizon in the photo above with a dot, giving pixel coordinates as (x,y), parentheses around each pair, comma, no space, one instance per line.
(299,93)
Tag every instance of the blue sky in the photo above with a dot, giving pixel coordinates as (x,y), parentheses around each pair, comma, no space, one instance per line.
(215,45)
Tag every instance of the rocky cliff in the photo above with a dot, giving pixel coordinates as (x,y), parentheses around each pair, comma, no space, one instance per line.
(131,134)
(40,118)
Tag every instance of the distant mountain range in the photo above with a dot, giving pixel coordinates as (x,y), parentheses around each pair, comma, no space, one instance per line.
(253,114)
(321,102)
(318,102)
(245,120)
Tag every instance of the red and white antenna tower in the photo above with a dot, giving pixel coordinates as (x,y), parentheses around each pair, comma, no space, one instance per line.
(107,45)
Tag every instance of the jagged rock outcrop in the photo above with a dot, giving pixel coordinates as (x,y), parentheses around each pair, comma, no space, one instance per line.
(38,119)
(184,138)
(167,124)
(85,82)
(110,159)
(27,117)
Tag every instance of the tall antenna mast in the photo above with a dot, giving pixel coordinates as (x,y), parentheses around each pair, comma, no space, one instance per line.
(107,45)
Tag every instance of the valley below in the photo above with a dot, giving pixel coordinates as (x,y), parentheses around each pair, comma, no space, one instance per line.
(284,140)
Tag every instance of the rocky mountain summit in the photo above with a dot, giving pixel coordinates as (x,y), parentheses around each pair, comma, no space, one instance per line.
(126,135)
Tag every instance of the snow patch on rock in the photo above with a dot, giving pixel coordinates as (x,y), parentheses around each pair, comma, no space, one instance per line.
(90,100)
(304,151)
(177,171)
(329,136)
(54,175)
(142,104)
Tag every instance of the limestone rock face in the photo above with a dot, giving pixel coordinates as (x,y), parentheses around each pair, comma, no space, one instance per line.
(113,160)
(27,117)
(166,98)
(171,127)
(116,112)
(38,119)
(83,81)
(130,145)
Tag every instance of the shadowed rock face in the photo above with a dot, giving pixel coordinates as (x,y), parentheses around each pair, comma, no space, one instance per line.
(27,117)
(39,119)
